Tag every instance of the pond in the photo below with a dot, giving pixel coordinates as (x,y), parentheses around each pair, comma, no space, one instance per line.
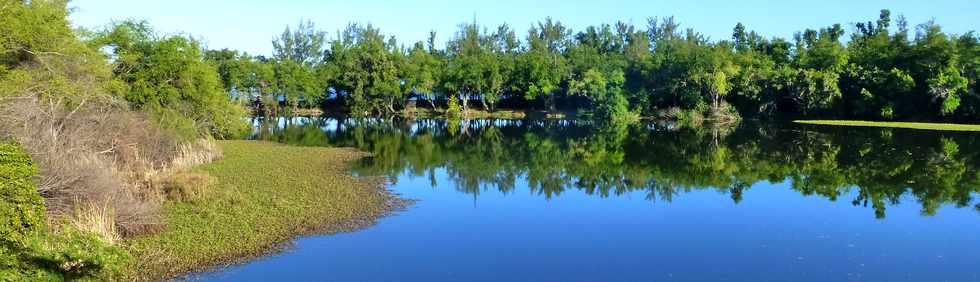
(561,200)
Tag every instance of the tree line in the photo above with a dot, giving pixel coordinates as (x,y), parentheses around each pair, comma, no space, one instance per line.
(884,71)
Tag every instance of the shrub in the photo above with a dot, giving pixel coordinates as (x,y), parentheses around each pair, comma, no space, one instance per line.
(725,113)
(28,249)
(186,186)
(21,208)
(197,153)
(453,108)
(70,255)
(169,77)
(96,153)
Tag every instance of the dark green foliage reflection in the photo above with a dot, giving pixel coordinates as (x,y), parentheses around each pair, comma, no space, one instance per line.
(872,168)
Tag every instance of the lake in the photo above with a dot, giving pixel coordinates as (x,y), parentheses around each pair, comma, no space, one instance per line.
(561,200)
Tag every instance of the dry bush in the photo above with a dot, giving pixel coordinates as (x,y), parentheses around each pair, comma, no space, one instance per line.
(185,186)
(92,153)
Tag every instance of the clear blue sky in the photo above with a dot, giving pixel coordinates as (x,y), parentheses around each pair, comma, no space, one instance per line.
(249,25)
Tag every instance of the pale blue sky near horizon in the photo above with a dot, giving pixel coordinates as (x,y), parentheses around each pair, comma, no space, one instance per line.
(250,25)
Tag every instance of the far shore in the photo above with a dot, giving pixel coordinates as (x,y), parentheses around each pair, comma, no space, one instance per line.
(889,124)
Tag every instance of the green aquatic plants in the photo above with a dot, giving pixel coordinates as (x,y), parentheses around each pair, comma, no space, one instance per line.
(263,194)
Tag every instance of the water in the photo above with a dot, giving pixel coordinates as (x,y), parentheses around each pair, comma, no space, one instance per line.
(571,201)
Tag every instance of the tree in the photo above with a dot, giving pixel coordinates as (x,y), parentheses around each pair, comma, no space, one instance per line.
(466,70)
(299,53)
(543,68)
(297,84)
(420,73)
(667,70)
(740,37)
(168,77)
(946,88)
(305,45)
(364,69)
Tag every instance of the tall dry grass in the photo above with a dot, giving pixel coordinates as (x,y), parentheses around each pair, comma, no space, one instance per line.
(102,167)
(96,218)
(191,154)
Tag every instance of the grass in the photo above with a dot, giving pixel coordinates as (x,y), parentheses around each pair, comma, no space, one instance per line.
(912,125)
(263,196)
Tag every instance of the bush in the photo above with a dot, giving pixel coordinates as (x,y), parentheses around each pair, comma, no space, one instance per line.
(68,255)
(169,77)
(186,186)
(28,250)
(725,113)
(21,208)
(453,108)
(93,154)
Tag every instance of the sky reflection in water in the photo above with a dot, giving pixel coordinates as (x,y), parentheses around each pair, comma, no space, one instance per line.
(571,201)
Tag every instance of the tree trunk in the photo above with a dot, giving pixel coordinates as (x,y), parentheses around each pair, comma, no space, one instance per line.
(432,103)
(714,97)
(550,103)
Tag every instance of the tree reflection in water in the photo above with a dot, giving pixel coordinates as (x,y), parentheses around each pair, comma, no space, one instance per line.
(885,166)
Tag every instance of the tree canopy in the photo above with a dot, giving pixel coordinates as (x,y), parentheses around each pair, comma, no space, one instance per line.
(883,71)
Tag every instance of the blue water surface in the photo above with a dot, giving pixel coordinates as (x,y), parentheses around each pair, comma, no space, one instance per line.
(772,228)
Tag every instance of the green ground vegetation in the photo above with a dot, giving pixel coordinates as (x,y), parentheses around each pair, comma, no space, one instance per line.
(912,125)
(263,194)
(145,94)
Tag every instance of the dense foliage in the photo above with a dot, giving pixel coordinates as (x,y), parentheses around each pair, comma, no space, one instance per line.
(165,77)
(169,78)
(29,250)
(95,117)
(21,208)
(884,71)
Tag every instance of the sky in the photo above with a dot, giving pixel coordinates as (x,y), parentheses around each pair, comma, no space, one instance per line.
(250,25)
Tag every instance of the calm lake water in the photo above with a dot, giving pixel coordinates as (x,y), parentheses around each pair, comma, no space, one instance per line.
(570,201)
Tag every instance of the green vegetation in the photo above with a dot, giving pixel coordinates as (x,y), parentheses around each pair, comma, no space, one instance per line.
(886,70)
(913,125)
(111,122)
(31,250)
(168,78)
(263,194)
(94,138)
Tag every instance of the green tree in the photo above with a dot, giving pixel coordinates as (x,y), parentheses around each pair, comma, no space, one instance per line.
(298,54)
(304,45)
(543,68)
(365,71)
(420,73)
(168,77)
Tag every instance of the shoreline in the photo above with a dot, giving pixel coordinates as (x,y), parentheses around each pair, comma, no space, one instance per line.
(890,124)
(242,218)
